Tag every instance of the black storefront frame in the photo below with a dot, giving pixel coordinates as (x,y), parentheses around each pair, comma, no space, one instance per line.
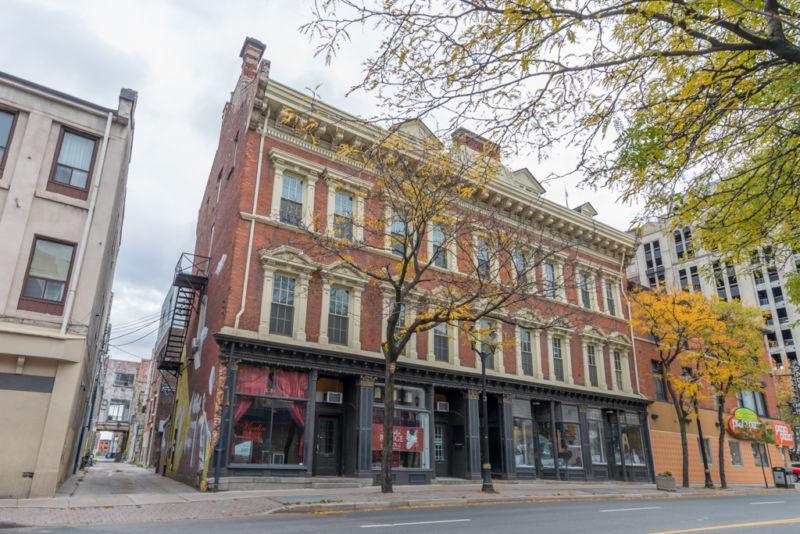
(369,370)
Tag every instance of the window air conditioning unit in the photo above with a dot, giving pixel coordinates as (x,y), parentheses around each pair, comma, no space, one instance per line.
(442,406)
(333,397)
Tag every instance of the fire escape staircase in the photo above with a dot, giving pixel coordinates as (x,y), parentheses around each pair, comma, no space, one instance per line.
(191,276)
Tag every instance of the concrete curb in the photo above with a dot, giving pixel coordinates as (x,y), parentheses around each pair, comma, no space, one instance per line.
(368,506)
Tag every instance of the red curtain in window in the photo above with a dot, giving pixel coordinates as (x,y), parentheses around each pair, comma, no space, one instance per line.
(252,380)
(242,406)
(294,384)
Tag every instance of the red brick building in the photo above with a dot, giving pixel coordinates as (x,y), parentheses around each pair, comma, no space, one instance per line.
(277,351)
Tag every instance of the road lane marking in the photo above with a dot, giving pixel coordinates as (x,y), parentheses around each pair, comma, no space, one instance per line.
(632,509)
(735,525)
(768,502)
(386,525)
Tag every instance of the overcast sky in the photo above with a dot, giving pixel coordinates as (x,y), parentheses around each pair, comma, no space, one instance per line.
(182,58)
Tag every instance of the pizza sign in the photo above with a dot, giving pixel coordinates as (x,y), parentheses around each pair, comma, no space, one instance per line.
(743,421)
(404,438)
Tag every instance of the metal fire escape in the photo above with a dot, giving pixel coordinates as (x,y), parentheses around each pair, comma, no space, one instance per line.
(191,276)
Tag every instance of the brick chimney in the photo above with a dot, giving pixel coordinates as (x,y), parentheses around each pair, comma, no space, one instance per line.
(251,53)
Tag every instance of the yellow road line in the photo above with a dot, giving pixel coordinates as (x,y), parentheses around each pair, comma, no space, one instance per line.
(736,525)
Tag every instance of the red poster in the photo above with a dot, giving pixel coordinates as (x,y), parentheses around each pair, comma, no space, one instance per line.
(784,437)
(404,438)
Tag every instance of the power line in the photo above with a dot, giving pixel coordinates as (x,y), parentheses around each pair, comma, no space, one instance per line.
(132,330)
(142,319)
(151,332)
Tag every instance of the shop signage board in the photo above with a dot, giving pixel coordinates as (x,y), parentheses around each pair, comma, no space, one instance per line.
(784,437)
(404,438)
(741,422)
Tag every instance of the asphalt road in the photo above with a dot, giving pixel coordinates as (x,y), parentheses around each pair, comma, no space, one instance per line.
(762,514)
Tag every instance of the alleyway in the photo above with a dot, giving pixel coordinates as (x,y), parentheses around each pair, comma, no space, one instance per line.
(111,478)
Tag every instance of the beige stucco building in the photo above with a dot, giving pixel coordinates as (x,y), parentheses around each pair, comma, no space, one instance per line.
(63,173)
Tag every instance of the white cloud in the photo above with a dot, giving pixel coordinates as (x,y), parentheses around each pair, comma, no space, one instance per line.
(182,58)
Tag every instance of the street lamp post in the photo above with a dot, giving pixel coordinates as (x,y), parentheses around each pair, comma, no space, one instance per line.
(486,466)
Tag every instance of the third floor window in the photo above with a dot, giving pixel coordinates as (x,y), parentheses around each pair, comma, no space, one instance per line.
(343,216)
(438,247)
(654,263)
(292,201)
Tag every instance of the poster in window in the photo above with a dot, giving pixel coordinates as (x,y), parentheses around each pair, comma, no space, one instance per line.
(404,438)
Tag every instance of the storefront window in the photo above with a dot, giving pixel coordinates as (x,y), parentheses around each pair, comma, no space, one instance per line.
(269,416)
(410,448)
(596,448)
(632,444)
(523,433)
(568,434)
(545,441)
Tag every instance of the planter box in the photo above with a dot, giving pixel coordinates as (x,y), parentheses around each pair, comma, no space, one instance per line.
(665,483)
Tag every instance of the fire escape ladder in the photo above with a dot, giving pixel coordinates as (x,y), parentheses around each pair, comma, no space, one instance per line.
(191,275)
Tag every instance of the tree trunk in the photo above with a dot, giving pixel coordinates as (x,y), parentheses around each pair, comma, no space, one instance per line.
(680,412)
(723,483)
(684,449)
(388,428)
(763,472)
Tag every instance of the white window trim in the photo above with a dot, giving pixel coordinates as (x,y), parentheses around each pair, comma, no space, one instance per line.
(452,345)
(358,208)
(452,264)
(341,275)
(284,163)
(626,373)
(566,354)
(558,271)
(536,350)
(599,356)
(291,262)
(494,268)
(410,350)
(615,283)
(591,286)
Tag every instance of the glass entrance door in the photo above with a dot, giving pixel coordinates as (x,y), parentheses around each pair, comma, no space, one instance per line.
(440,452)
(327,450)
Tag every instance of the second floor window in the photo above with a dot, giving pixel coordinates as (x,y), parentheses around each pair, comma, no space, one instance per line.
(550,280)
(558,360)
(74,161)
(526,351)
(281,316)
(6,125)
(48,271)
(343,216)
(658,380)
(441,343)
(292,200)
(753,400)
(437,247)
(591,358)
(583,283)
(338,315)
(618,369)
(611,303)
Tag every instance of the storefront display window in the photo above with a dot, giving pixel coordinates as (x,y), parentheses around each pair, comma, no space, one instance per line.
(523,434)
(595,424)
(545,441)
(269,416)
(410,448)
(568,434)
(632,443)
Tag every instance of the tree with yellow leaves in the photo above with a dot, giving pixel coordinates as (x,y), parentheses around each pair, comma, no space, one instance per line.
(691,107)
(433,245)
(679,323)
(733,360)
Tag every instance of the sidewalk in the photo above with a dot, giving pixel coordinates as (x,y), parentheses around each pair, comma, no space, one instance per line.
(124,493)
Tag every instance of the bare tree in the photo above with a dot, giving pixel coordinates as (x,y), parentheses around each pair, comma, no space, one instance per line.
(438,251)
